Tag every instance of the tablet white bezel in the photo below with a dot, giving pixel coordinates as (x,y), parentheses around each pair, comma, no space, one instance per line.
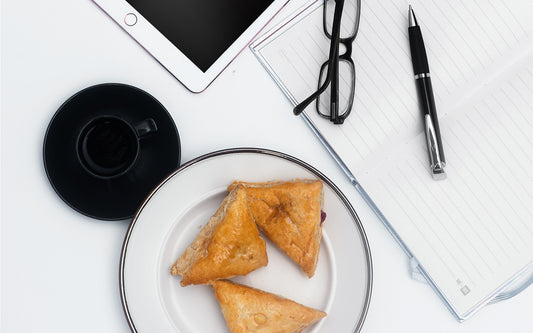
(169,56)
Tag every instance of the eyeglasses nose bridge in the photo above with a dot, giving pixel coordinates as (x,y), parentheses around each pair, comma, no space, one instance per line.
(348,47)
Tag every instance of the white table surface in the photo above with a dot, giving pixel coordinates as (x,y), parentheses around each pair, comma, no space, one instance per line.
(60,269)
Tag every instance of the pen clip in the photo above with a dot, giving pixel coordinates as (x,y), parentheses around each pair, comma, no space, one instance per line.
(436,162)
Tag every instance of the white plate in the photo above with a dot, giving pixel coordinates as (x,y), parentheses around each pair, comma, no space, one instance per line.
(173,214)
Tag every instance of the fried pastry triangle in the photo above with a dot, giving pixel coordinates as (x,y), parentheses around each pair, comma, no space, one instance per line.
(228,245)
(290,215)
(250,310)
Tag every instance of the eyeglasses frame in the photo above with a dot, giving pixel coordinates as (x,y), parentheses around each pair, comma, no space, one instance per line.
(332,75)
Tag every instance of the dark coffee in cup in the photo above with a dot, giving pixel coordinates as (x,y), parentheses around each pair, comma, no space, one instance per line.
(108,146)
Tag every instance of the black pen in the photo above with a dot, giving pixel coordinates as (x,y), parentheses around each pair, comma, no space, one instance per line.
(437,161)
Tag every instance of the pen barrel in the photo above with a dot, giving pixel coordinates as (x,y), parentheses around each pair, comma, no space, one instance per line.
(418,51)
(427,104)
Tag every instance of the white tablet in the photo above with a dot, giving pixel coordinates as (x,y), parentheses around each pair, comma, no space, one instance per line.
(195,39)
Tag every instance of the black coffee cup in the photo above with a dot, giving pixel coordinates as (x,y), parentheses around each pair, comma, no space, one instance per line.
(108,146)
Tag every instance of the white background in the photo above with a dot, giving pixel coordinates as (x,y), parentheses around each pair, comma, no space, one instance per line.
(59,269)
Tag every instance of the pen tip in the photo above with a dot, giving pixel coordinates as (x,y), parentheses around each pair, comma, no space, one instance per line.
(412,17)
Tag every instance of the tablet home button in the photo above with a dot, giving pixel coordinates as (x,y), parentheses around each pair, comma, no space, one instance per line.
(130,19)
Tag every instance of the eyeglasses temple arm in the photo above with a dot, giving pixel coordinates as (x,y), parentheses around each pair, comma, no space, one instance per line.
(334,93)
(333,63)
(300,107)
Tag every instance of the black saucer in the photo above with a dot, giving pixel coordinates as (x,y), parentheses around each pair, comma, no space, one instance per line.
(119,196)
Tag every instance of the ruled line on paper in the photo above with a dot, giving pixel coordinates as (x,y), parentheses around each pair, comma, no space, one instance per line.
(434,222)
(431,33)
(515,158)
(472,230)
(481,229)
(510,136)
(455,49)
(451,226)
(477,172)
(429,245)
(483,165)
(510,161)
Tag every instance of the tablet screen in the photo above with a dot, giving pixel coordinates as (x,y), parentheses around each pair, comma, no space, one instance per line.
(201,29)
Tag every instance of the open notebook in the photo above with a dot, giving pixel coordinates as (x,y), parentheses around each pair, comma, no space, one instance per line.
(469,235)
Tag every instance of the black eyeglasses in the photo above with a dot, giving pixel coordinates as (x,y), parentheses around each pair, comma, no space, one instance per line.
(338,70)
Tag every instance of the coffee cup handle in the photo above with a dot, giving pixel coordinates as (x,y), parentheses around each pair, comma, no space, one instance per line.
(145,127)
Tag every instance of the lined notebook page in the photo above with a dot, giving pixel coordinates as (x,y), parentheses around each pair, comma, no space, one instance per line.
(467,43)
(471,232)
(468,232)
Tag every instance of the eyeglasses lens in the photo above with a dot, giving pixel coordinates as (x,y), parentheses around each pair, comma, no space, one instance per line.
(349,21)
(346,89)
